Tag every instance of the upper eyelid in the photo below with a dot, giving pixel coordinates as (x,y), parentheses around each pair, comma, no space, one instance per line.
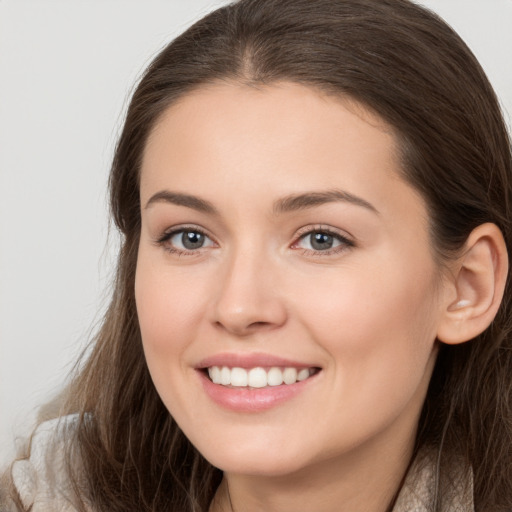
(322,228)
(299,233)
(346,240)
(169,232)
(164,240)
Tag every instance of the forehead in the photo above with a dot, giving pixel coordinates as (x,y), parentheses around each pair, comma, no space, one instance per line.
(282,138)
(286,101)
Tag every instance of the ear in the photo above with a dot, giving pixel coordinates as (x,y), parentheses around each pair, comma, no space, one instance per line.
(476,289)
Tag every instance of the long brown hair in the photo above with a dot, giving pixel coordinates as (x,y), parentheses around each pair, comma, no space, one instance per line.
(407,65)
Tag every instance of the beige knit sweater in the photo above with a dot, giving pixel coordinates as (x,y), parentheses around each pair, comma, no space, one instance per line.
(42,484)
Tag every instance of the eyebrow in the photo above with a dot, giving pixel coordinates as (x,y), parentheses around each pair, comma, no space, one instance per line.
(307,200)
(187,200)
(291,203)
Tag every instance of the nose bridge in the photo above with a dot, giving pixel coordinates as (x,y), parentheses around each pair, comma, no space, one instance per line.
(248,298)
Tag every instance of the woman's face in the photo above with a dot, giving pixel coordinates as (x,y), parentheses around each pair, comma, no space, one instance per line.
(278,241)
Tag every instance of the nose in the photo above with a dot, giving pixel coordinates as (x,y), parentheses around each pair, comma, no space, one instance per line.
(249,298)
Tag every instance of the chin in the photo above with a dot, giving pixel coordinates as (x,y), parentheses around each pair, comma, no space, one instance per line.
(264,462)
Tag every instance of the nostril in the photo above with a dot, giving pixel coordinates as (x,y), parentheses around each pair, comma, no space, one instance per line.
(242,329)
(258,324)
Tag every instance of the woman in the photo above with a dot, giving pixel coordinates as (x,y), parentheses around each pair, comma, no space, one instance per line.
(312,306)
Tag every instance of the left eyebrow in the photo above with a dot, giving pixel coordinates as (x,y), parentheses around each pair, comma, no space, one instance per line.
(306,200)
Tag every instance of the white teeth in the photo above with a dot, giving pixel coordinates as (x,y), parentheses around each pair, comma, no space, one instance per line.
(214,373)
(257,377)
(275,377)
(303,374)
(290,375)
(239,377)
(225,376)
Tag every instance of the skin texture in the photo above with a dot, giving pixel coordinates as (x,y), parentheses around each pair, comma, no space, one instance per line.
(366,312)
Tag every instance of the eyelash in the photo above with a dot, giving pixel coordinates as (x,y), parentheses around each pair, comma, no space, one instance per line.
(344,242)
(163,241)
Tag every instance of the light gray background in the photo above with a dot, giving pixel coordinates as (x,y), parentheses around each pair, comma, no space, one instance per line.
(66,70)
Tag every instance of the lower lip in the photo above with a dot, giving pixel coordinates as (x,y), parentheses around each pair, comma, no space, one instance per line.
(255,399)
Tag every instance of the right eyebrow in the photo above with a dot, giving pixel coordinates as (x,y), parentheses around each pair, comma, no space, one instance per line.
(189,201)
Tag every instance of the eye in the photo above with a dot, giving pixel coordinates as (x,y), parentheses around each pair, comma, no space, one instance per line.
(188,240)
(185,240)
(324,241)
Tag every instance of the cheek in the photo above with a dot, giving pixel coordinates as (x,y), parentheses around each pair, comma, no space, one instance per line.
(169,310)
(169,306)
(378,329)
(367,304)
(169,314)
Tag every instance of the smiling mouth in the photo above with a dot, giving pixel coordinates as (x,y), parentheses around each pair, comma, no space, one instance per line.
(258,377)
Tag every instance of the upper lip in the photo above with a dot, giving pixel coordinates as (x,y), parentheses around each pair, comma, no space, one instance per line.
(252,360)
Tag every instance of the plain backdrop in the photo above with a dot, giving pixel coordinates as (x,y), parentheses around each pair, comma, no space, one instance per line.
(66,70)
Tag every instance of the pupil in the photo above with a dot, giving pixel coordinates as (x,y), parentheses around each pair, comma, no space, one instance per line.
(321,241)
(192,240)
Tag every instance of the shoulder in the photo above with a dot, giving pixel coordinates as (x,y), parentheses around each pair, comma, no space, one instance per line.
(427,475)
(42,479)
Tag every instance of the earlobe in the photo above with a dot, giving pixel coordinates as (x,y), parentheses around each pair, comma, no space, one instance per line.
(478,284)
